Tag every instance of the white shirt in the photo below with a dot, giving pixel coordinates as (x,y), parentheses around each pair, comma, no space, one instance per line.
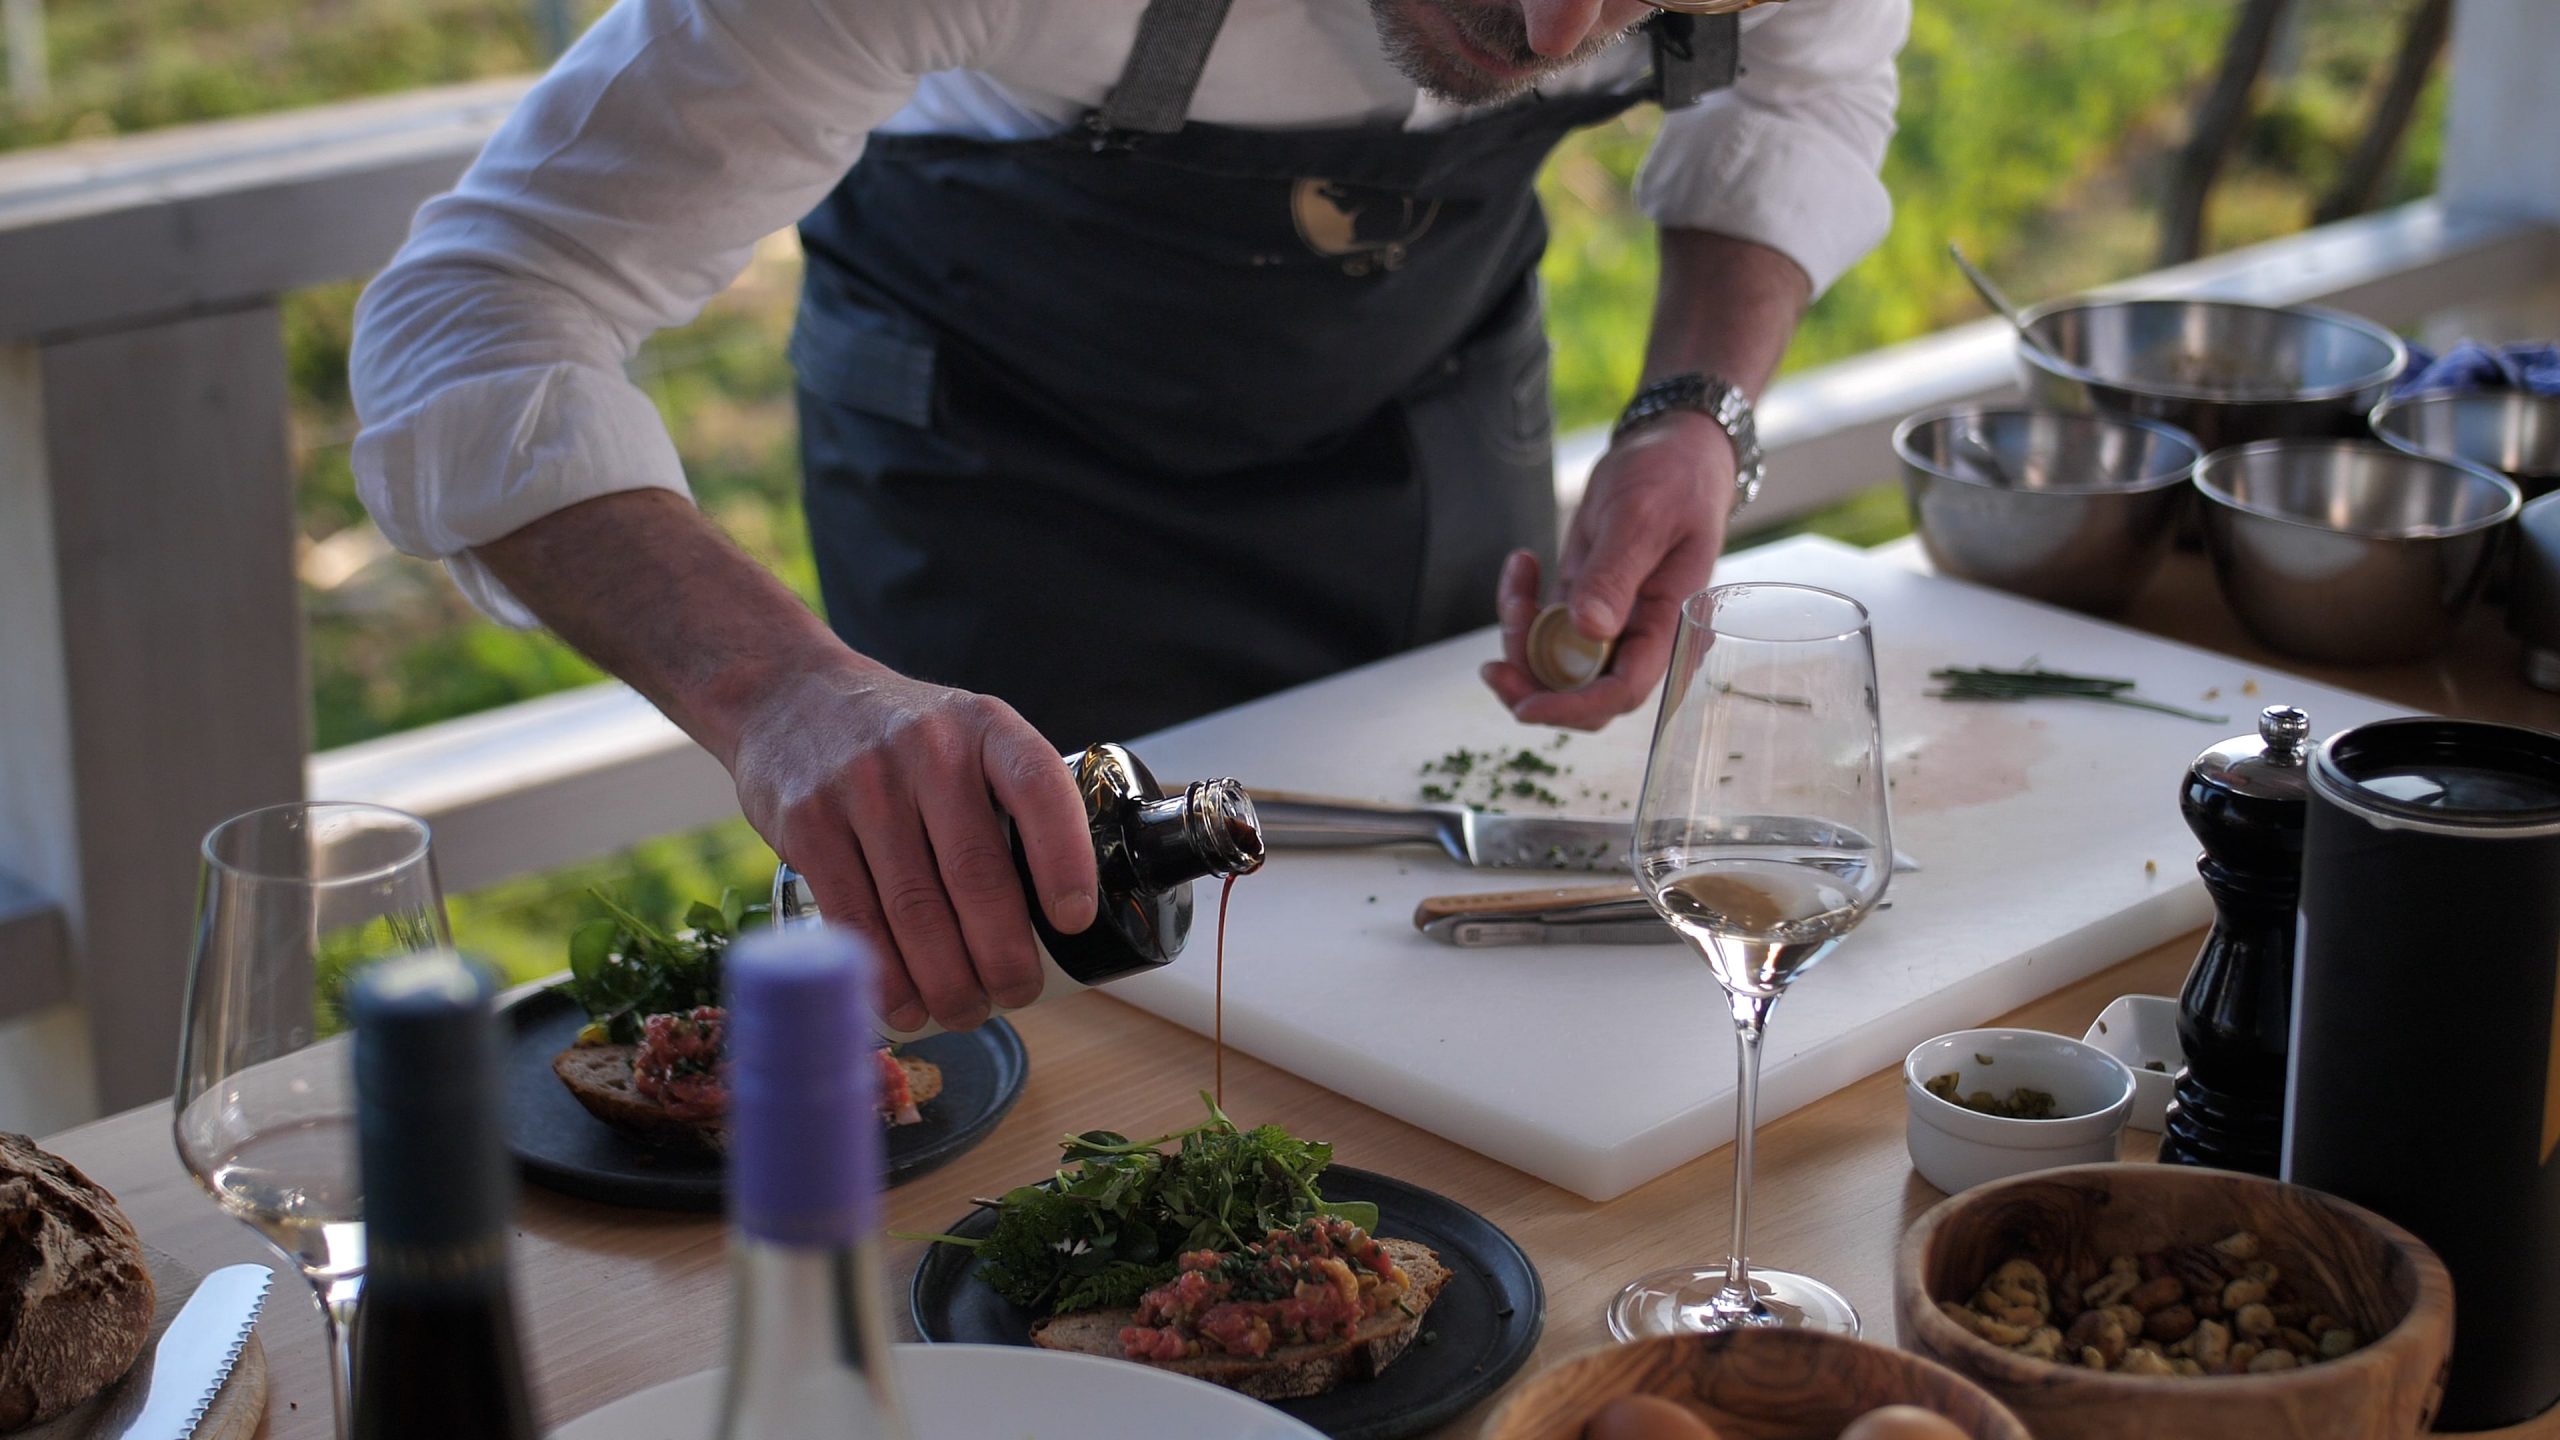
(633,182)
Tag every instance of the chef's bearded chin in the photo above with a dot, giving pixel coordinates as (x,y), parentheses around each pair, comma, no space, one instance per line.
(1494,26)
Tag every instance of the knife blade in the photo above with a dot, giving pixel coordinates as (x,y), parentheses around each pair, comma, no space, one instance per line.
(1616,914)
(1470,837)
(168,1391)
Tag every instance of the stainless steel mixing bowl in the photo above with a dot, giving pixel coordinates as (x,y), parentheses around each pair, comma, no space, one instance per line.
(2349,551)
(2070,509)
(2224,372)
(2512,432)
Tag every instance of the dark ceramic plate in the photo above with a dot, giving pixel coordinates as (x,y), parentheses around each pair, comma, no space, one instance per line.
(1476,1336)
(561,1147)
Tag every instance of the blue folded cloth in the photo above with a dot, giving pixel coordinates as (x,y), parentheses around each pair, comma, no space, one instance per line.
(2534,368)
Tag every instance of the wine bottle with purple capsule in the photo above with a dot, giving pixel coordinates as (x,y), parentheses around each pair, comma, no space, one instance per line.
(809,1334)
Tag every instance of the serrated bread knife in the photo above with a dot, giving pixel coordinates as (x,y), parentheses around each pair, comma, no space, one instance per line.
(167,1392)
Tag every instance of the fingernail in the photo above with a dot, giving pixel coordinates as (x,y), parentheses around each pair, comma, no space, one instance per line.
(1071,910)
(1593,619)
(907,1017)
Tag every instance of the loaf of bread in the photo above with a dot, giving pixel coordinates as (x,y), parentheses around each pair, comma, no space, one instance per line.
(75,1298)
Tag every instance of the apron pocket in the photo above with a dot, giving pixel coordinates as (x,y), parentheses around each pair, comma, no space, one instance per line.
(877,363)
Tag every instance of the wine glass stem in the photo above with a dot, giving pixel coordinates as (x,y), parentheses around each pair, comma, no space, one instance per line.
(338,1318)
(1750,1019)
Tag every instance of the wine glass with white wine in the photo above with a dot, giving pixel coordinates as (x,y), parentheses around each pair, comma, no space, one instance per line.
(1763,838)
(294,899)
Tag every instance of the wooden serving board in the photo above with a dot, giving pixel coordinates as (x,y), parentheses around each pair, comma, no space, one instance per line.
(235,1412)
(2048,835)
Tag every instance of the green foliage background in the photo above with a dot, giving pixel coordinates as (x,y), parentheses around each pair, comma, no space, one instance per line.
(2034,131)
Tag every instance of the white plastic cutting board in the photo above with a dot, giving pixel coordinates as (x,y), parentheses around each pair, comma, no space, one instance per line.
(2048,834)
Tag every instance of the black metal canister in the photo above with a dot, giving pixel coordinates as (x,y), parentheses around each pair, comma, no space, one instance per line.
(2426,1026)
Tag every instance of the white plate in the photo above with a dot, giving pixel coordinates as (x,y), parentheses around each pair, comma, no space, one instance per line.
(985,1392)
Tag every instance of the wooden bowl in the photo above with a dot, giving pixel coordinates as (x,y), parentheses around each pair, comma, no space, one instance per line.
(2361,1268)
(1750,1385)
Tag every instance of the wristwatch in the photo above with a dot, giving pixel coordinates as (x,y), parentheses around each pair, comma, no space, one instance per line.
(1719,400)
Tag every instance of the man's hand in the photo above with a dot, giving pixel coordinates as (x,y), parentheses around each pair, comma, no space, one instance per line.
(1644,540)
(1653,518)
(891,795)
(888,793)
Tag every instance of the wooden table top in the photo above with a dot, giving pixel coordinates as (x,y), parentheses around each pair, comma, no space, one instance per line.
(615,1300)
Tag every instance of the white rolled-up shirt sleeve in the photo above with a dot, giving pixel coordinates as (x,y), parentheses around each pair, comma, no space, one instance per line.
(628,189)
(1789,156)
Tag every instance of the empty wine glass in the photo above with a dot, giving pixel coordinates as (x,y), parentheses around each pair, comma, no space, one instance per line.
(1763,838)
(293,900)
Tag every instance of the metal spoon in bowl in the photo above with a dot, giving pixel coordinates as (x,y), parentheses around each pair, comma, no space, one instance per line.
(1992,297)
(1971,445)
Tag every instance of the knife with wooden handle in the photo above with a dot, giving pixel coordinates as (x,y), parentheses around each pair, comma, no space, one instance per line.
(1614,914)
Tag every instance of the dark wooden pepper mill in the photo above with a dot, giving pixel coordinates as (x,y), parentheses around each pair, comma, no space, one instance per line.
(2246,799)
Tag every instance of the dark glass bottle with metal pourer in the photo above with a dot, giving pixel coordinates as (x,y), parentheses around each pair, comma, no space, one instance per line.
(1148,845)
(2246,799)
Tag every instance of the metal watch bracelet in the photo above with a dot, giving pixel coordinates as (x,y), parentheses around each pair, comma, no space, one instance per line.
(1719,400)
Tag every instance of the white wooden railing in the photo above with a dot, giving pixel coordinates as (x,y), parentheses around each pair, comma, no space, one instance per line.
(151,668)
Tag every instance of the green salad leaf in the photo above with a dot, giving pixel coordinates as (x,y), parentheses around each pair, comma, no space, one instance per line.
(623,968)
(1113,1221)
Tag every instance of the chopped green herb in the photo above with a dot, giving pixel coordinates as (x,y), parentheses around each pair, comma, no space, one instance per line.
(1789,702)
(2033,682)
(2019,1104)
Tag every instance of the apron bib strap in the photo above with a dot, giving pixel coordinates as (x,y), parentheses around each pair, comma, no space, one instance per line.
(1693,56)
(1153,96)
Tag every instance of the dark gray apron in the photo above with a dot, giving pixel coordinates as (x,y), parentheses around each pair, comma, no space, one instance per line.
(1145,419)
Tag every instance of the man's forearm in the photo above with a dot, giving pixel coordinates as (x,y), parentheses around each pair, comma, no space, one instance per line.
(646,587)
(1724,307)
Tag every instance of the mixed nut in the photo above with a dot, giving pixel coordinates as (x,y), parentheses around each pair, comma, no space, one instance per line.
(2219,1309)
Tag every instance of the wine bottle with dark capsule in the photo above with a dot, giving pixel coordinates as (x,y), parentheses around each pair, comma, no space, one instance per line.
(436,1337)
(809,1333)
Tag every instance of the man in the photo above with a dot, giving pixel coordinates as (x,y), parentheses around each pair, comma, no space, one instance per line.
(1156,354)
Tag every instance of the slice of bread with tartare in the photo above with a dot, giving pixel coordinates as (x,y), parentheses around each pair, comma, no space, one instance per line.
(1293,1315)
(651,1059)
(668,1091)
